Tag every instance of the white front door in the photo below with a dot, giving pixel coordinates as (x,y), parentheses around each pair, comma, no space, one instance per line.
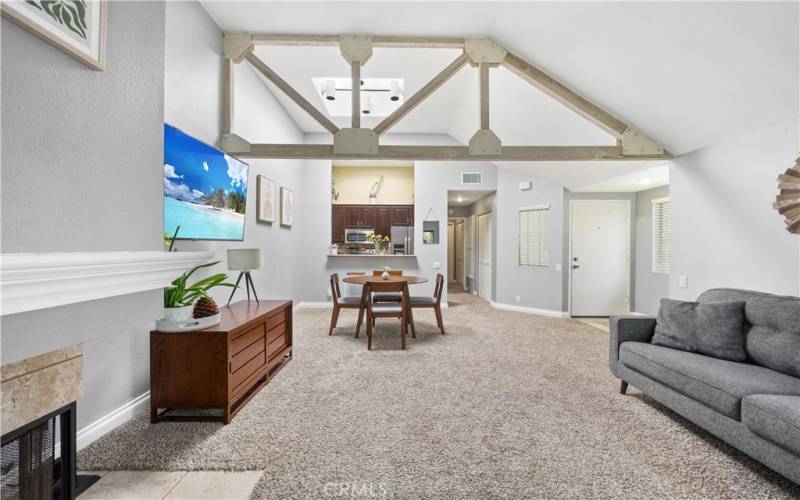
(459,244)
(485,256)
(599,257)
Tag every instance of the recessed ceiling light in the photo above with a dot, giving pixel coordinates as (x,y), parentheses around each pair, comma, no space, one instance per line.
(643,180)
(460,198)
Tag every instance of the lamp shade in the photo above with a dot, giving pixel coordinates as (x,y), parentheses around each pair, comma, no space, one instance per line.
(244,259)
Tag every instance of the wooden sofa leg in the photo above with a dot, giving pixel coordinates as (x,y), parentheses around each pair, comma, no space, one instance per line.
(623,387)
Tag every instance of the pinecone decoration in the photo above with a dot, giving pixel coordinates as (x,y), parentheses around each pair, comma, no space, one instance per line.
(204,307)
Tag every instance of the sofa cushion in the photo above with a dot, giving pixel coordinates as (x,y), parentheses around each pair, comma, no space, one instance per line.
(772,327)
(717,383)
(711,328)
(774,418)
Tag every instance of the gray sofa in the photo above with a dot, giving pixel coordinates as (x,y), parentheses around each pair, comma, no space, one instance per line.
(751,407)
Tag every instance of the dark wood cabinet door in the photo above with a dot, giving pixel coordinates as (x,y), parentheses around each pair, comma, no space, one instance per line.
(352,216)
(337,224)
(402,215)
(383,221)
(368,217)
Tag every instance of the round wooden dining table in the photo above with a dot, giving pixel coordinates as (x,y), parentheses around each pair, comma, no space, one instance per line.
(361,279)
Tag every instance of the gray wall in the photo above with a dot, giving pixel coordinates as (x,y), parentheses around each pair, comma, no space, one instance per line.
(649,287)
(82,171)
(725,232)
(193,103)
(537,287)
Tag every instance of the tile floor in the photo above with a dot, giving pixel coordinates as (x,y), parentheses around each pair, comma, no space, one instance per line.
(162,485)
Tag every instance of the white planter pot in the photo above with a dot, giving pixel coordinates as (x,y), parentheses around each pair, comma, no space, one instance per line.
(178,313)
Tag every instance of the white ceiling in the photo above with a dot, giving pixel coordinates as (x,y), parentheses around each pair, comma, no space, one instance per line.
(686,73)
(631,182)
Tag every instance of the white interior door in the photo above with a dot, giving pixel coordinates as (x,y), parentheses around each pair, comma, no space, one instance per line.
(459,243)
(599,257)
(451,252)
(485,256)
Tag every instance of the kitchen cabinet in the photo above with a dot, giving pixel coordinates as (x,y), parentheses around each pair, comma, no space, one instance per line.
(353,216)
(403,215)
(338,224)
(383,220)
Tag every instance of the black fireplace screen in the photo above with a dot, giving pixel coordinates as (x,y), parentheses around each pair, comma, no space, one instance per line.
(29,468)
(27,464)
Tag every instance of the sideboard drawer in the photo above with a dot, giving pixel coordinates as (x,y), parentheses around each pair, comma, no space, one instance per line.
(248,369)
(242,341)
(276,332)
(277,344)
(276,320)
(248,353)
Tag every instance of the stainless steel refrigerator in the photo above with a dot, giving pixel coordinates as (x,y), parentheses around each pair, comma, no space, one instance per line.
(402,240)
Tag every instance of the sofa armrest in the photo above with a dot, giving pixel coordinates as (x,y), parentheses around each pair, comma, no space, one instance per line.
(627,329)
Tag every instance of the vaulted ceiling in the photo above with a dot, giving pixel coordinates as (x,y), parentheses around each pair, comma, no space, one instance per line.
(688,74)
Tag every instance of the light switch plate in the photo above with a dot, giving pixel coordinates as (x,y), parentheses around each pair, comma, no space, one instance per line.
(683,281)
(437,265)
(558,267)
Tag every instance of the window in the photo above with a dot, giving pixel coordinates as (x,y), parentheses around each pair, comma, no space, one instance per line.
(661,235)
(534,236)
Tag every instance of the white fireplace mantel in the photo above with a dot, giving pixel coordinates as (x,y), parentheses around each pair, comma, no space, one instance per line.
(37,281)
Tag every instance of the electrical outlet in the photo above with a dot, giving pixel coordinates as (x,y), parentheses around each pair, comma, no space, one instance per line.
(519,299)
(558,268)
(683,281)
(437,265)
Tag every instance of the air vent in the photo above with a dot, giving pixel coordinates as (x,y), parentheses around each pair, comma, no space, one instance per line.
(471,178)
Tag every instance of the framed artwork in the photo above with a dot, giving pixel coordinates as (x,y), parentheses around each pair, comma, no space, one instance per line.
(78,27)
(287,207)
(265,199)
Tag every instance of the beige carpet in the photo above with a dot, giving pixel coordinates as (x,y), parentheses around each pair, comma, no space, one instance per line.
(506,405)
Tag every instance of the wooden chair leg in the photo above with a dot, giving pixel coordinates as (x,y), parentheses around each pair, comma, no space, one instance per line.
(334,319)
(438,311)
(360,319)
(369,332)
(623,387)
(411,322)
(403,329)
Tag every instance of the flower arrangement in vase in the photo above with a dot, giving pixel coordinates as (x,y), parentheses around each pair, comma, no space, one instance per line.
(380,242)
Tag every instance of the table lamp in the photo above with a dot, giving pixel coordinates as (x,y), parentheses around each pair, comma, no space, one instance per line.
(244,260)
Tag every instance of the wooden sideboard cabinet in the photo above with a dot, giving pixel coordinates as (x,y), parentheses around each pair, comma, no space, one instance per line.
(220,367)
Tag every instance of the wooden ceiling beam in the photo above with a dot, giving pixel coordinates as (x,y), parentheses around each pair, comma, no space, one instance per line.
(413,101)
(443,153)
(291,92)
(429,42)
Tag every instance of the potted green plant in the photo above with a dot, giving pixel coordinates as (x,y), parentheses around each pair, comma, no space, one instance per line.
(179,296)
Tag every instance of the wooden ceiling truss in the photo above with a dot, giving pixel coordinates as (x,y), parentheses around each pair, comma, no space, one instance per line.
(356,142)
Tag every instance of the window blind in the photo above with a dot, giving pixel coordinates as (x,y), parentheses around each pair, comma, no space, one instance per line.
(534,236)
(661,235)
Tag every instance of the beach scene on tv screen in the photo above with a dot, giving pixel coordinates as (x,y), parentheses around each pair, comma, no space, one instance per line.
(205,190)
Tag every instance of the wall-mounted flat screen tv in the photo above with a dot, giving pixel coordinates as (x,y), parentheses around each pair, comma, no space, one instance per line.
(205,190)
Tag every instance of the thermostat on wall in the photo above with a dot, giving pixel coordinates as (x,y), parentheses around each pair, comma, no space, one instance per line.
(525,186)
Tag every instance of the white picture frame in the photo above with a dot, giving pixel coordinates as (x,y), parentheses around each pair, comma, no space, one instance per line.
(78,27)
(287,207)
(265,199)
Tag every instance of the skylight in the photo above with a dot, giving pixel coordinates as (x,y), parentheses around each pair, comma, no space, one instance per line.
(379,96)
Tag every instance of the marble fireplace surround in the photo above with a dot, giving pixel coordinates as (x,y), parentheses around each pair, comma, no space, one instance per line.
(33,387)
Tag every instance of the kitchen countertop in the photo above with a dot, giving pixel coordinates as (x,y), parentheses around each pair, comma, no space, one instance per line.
(371,255)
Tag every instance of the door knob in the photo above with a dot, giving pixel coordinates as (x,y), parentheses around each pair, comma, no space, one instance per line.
(575,266)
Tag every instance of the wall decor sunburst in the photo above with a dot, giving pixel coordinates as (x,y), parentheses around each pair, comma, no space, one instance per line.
(787,203)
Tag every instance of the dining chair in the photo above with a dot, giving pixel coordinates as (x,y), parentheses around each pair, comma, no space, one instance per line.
(346,302)
(434,302)
(387,297)
(387,309)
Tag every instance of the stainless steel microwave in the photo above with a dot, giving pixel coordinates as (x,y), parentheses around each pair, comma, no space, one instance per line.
(357,235)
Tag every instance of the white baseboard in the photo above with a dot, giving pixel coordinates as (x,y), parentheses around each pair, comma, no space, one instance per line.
(530,310)
(314,305)
(111,421)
